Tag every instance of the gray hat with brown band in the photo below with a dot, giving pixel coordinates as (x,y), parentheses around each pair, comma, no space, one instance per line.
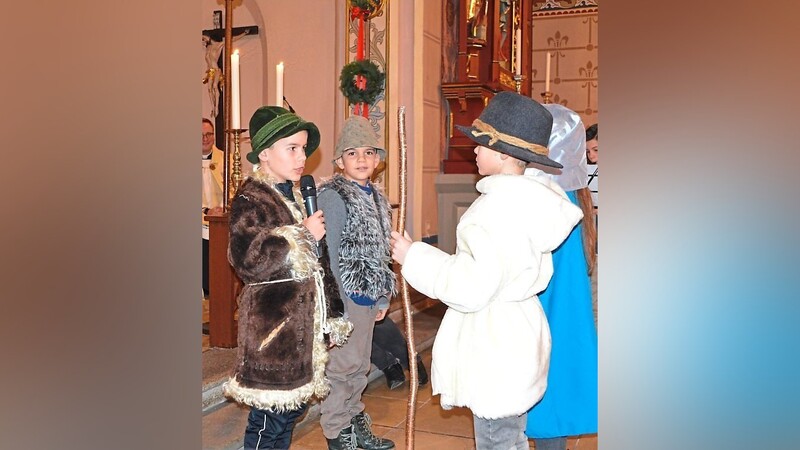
(358,132)
(515,125)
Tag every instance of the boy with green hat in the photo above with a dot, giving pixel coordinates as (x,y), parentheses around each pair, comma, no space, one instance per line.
(289,306)
(358,226)
(492,349)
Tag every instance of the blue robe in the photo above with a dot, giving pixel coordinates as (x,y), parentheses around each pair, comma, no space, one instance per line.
(569,405)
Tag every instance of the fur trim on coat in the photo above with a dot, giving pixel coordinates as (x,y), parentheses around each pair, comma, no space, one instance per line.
(289,299)
(364,252)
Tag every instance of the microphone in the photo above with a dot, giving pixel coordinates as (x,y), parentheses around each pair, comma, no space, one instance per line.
(309,191)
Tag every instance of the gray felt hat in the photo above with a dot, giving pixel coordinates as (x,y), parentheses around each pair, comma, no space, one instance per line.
(515,125)
(357,132)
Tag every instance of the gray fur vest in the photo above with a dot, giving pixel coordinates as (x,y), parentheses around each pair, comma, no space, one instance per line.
(364,253)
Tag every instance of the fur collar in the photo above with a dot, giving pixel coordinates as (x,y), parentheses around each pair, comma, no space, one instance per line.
(364,253)
(271,181)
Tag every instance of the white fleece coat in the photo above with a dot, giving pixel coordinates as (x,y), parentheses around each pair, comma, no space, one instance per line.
(492,350)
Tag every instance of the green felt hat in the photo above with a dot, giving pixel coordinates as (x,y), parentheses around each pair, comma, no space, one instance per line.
(271,123)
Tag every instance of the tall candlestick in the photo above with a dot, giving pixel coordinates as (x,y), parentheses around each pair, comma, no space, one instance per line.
(518,34)
(235,95)
(547,74)
(279,84)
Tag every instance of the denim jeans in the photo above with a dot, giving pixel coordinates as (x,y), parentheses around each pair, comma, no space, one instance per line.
(559,443)
(267,430)
(507,433)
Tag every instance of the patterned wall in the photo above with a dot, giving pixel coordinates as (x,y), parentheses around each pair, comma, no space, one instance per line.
(568,30)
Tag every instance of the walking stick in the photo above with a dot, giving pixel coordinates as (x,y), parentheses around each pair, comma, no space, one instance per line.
(401,226)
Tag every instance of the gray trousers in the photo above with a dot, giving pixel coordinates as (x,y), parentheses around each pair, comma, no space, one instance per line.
(507,433)
(347,371)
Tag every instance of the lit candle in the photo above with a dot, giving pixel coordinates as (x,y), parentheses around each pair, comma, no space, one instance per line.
(547,74)
(235,95)
(279,84)
(519,52)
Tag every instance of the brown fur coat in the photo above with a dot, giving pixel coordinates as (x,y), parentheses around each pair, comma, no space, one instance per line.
(284,322)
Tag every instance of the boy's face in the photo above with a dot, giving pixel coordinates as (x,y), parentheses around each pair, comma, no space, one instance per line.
(286,159)
(591,151)
(489,161)
(359,163)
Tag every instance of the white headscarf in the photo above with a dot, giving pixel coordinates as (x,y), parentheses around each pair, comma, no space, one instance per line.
(568,146)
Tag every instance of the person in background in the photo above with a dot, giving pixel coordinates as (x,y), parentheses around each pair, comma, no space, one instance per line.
(592,171)
(212,188)
(390,354)
(569,405)
(591,144)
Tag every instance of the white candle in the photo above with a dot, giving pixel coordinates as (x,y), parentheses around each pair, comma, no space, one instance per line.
(279,84)
(519,52)
(235,95)
(547,74)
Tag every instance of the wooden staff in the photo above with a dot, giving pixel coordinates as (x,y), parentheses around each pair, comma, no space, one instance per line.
(401,226)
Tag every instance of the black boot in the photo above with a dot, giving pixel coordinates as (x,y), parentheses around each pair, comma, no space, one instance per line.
(394,376)
(362,428)
(422,374)
(345,441)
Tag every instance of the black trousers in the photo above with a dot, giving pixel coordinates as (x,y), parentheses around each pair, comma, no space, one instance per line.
(267,430)
(388,345)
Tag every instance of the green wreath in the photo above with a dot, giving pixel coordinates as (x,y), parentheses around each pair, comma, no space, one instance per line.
(366,7)
(370,71)
(363,4)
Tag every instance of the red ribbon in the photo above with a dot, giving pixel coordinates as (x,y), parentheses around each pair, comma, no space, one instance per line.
(360,47)
(361,82)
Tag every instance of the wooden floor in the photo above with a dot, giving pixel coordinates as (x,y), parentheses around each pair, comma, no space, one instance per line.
(436,429)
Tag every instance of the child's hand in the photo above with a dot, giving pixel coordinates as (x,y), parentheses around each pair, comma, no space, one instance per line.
(400,245)
(381,314)
(316,225)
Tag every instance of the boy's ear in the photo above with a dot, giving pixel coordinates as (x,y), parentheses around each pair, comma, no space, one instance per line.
(263,156)
(339,163)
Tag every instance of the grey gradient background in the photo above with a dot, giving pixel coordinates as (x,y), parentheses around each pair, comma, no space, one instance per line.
(99,267)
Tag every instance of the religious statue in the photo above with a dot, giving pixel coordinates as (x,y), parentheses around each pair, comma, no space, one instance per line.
(213,76)
(476,19)
(505,6)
